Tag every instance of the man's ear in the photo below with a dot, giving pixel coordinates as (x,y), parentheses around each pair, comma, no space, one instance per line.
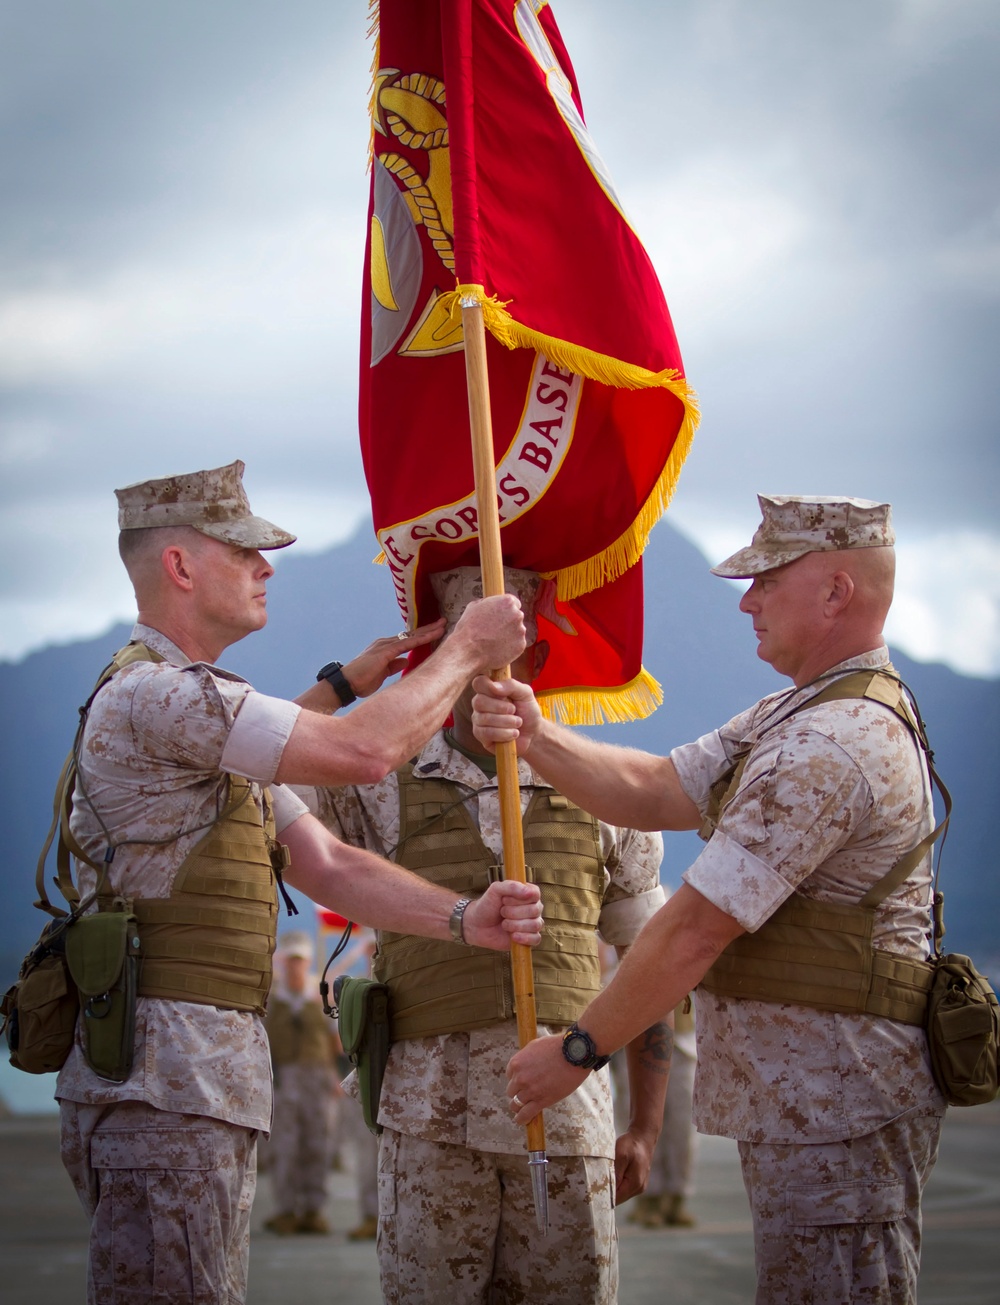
(176,566)
(539,654)
(840,591)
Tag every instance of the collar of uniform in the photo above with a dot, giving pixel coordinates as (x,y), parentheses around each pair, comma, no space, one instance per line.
(159,643)
(776,705)
(868,661)
(439,760)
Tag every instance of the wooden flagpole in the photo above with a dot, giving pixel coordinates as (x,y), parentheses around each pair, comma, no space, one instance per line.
(491,558)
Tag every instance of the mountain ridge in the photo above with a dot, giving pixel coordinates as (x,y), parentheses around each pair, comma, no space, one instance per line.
(329,605)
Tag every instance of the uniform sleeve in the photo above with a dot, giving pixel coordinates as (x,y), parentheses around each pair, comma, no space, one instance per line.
(701,763)
(194,719)
(800,799)
(633,894)
(258,736)
(286,805)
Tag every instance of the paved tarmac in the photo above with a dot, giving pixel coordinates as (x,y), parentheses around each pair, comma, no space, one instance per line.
(43,1232)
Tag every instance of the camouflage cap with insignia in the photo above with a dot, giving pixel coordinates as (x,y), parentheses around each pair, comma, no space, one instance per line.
(212,502)
(796,524)
(457,588)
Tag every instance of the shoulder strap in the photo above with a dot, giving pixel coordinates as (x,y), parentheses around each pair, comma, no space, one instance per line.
(404,777)
(67,845)
(881,685)
(885,686)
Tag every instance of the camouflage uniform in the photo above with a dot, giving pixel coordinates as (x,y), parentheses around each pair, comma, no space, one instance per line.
(300,1149)
(159,742)
(456,1216)
(837,1115)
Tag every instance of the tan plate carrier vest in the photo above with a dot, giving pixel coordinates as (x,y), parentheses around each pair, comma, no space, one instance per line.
(299,1037)
(820,954)
(445,987)
(211,940)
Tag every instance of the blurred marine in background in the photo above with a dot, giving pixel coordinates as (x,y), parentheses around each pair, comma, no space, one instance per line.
(304,1045)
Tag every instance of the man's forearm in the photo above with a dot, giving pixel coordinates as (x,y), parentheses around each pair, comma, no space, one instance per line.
(648,1058)
(378,893)
(370,891)
(380,733)
(621,786)
(666,962)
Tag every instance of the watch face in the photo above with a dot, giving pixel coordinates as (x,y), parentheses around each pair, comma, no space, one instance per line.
(576,1048)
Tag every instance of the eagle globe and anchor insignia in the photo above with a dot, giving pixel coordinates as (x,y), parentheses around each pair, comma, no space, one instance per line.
(412,191)
(411,108)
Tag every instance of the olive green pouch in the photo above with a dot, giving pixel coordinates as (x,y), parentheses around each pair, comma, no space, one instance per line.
(963,1032)
(39,1011)
(363,1022)
(102,951)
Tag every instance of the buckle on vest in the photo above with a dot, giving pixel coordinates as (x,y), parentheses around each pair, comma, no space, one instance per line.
(281,857)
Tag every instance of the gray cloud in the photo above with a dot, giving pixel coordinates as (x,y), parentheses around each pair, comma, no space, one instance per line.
(181,238)
(867,346)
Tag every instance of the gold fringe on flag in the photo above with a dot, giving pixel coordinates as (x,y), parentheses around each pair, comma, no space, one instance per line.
(580,705)
(626,550)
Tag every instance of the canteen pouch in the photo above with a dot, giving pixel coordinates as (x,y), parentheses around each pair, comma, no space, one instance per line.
(40,1009)
(963,1031)
(363,1023)
(102,951)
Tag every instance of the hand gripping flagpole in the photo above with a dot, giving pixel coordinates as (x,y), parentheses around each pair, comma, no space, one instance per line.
(491,558)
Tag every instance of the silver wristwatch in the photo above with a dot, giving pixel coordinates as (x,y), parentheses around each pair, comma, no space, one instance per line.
(455,921)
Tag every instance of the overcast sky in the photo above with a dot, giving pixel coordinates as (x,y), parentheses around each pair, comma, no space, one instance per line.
(180,265)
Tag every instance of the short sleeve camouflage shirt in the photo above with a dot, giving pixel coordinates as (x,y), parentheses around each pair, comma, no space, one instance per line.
(159,741)
(829,800)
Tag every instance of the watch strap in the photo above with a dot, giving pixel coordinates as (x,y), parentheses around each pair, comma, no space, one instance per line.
(456,921)
(591,1060)
(333,673)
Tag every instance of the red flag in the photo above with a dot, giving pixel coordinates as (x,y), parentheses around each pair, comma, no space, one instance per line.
(486,184)
(330,919)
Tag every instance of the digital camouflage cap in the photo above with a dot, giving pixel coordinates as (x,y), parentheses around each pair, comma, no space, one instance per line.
(456,588)
(212,502)
(796,524)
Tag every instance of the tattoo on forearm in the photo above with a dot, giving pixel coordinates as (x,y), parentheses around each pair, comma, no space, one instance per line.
(657,1047)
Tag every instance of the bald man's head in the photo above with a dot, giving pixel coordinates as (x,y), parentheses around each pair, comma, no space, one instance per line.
(873,571)
(821,609)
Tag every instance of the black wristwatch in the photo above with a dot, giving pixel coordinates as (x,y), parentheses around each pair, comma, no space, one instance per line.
(333,673)
(579,1049)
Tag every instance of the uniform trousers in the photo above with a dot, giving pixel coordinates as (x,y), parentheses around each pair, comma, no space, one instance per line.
(364,1144)
(458,1226)
(839,1222)
(169,1199)
(300,1150)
